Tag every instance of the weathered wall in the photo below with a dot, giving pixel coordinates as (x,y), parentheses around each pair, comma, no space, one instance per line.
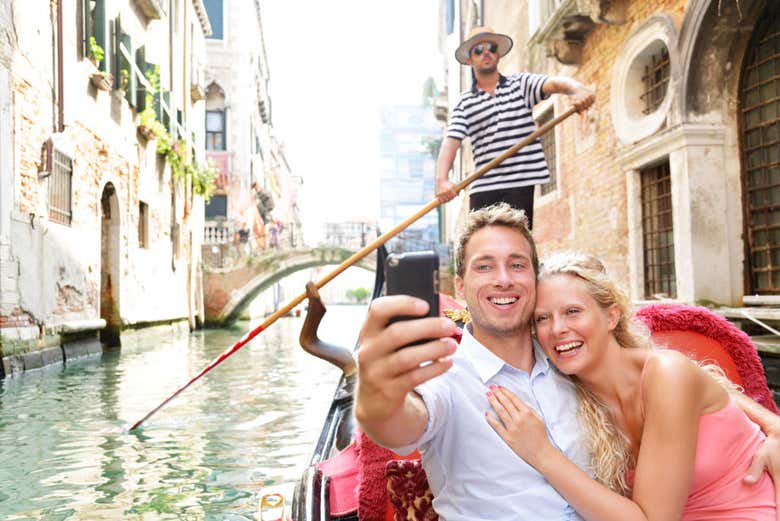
(51,273)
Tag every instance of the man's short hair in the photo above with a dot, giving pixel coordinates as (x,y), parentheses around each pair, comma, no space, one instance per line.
(500,214)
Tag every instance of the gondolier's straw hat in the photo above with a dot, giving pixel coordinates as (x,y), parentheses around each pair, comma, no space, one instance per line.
(482,34)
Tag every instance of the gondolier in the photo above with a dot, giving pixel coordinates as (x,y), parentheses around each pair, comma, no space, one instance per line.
(495,114)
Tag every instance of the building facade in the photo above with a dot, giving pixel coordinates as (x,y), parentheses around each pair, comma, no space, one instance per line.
(240,139)
(672,176)
(98,233)
(408,143)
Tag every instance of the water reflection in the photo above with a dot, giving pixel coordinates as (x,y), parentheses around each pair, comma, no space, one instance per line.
(245,429)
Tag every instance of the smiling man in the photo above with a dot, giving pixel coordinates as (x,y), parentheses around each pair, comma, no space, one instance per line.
(440,407)
(495,114)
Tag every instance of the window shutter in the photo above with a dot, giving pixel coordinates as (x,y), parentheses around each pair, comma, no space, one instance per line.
(125,64)
(101,30)
(140,90)
(84,5)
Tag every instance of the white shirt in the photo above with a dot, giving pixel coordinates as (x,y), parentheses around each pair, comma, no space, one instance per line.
(472,473)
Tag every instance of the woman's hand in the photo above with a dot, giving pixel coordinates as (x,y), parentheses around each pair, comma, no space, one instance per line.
(518,425)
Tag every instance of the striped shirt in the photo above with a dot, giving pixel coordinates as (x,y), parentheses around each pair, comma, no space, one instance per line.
(496,122)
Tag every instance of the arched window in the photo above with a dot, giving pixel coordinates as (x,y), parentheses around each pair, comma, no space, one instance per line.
(759,103)
(216,123)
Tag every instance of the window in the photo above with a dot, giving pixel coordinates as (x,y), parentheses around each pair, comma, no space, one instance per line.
(548,145)
(657,231)
(143,225)
(60,182)
(655,81)
(760,139)
(215,130)
(93,25)
(216,207)
(216,13)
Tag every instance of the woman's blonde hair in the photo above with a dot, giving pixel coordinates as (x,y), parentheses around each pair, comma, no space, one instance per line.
(609,448)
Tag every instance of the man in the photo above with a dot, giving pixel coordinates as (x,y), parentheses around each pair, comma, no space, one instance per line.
(428,397)
(495,114)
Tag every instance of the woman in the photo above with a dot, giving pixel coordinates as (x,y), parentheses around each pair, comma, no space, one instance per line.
(662,430)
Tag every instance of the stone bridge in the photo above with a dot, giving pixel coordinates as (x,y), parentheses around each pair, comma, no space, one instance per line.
(229,290)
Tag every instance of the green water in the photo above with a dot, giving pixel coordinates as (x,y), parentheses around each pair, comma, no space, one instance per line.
(245,429)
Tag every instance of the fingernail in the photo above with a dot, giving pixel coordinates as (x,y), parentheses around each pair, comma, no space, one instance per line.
(493,386)
(488,394)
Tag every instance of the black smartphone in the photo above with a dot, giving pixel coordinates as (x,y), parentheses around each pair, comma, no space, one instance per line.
(416,274)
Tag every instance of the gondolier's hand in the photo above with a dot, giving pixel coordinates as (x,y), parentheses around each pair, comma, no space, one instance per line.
(582,98)
(445,190)
(388,372)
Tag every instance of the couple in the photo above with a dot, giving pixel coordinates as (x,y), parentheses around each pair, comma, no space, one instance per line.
(643,408)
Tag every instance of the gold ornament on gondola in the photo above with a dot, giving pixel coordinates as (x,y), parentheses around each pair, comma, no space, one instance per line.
(458,315)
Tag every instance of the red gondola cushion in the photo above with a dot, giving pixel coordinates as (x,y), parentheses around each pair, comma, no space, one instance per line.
(699,332)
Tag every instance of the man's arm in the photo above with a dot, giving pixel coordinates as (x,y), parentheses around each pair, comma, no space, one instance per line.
(386,406)
(445,189)
(581,96)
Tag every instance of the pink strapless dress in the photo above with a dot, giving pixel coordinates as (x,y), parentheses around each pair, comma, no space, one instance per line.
(726,443)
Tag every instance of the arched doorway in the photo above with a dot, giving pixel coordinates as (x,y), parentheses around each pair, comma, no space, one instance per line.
(759,113)
(109,266)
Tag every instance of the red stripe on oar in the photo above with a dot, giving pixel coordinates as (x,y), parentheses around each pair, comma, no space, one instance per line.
(238,345)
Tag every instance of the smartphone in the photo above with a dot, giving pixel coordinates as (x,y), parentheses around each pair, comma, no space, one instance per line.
(416,274)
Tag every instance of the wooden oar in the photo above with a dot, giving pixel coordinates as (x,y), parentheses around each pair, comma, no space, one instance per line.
(379,241)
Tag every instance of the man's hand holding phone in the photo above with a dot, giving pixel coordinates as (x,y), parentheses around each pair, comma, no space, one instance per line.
(385,405)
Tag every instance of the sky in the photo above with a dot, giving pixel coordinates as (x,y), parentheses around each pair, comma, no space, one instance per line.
(332,66)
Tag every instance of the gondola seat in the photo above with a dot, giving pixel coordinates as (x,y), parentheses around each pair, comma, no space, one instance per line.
(705,336)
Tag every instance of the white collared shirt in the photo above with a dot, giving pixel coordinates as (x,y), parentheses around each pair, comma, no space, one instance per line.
(472,473)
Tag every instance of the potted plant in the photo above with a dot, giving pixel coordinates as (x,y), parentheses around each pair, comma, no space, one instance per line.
(100,79)
(146,125)
(124,79)
(96,52)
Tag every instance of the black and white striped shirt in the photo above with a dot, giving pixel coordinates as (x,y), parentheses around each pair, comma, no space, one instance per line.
(496,122)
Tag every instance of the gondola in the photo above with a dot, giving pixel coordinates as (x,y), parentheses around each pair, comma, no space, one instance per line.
(347,475)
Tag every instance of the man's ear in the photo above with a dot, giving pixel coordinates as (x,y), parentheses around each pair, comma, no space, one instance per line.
(459,286)
(613,316)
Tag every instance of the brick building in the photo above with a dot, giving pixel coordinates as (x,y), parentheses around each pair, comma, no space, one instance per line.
(98,234)
(673,178)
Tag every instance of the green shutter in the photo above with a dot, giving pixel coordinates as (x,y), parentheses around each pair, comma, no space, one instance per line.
(85,33)
(140,90)
(124,64)
(101,29)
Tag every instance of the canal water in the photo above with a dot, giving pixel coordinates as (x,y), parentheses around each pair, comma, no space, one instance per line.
(244,430)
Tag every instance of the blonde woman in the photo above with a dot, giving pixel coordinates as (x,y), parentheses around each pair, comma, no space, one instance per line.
(667,439)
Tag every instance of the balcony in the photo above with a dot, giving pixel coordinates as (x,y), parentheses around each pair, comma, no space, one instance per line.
(564,25)
(152,9)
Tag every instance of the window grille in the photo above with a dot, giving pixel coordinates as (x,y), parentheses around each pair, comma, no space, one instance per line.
(60,182)
(655,80)
(548,144)
(658,232)
(760,140)
(143,225)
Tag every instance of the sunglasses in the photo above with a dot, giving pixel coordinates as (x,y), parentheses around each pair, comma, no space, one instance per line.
(482,47)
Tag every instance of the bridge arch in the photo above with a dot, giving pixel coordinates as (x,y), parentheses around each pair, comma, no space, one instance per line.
(228,292)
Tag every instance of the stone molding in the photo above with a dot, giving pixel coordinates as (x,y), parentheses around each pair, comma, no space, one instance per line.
(630,127)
